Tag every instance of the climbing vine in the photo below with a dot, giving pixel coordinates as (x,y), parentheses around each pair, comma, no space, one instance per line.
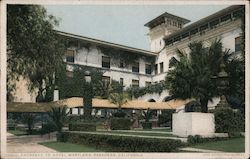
(127,57)
(154,88)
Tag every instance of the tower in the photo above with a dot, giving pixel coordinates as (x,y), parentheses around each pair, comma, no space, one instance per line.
(162,26)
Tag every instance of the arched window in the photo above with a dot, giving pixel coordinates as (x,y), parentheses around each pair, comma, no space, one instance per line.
(151,100)
(172,62)
(168,98)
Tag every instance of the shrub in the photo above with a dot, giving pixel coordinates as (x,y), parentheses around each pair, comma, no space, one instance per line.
(193,106)
(119,114)
(228,121)
(123,143)
(234,134)
(199,139)
(120,124)
(166,118)
(147,125)
(195,139)
(48,128)
(58,116)
(74,118)
(82,118)
(82,127)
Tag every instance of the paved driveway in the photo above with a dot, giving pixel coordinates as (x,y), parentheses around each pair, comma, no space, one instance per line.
(28,144)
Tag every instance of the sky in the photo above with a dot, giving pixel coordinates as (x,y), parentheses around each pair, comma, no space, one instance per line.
(121,24)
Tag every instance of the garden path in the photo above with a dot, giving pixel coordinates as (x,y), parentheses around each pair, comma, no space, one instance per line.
(28,144)
(199,150)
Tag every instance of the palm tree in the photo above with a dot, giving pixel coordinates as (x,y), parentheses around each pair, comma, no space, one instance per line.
(58,116)
(29,119)
(147,115)
(191,77)
(119,99)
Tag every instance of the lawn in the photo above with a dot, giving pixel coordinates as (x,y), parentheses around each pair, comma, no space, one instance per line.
(231,145)
(18,132)
(161,130)
(23,132)
(69,147)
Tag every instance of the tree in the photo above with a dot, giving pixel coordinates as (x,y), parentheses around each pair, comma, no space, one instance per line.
(147,115)
(58,116)
(191,77)
(119,99)
(34,49)
(29,119)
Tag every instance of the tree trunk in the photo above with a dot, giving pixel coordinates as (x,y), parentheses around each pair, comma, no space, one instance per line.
(204,108)
(87,98)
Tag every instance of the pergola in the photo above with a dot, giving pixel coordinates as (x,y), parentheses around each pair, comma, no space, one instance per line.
(75,102)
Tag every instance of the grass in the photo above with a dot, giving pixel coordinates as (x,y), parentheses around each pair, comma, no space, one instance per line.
(162,130)
(69,147)
(18,132)
(23,132)
(231,145)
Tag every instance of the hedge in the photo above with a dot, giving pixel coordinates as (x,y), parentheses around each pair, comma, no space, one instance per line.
(123,143)
(165,118)
(82,127)
(198,139)
(120,124)
(147,125)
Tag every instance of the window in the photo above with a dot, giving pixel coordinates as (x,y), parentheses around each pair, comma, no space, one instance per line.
(148,69)
(105,62)
(135,67)
(172,62)
(106,79)
(169,21)
(185,35)
(156,69)
(237,44)
(214,23)
(179,25)
(193,32)
(135,83)
(122,63)
(121,81)
(204,27)
(70,56)
(161,67)
(226,18)
(147,83)
(174,23)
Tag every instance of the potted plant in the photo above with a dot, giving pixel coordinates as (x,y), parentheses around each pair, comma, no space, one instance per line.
(119,120)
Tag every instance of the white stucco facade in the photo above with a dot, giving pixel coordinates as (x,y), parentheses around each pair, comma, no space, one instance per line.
(169,28)
(185,124)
